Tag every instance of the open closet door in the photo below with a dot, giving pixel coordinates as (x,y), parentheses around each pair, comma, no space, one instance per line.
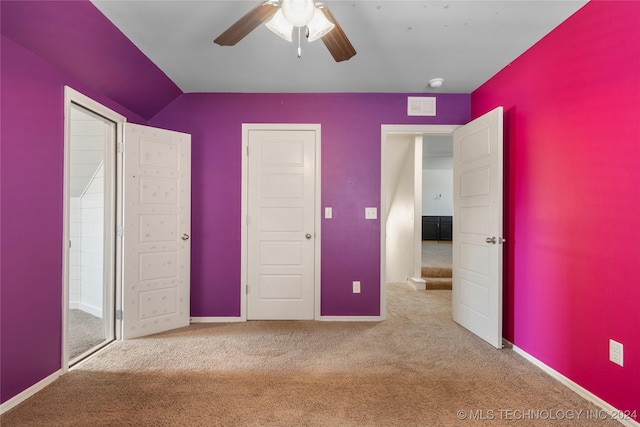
(156,218)
(477,227)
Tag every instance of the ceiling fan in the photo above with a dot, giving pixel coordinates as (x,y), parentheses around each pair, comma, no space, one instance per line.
(281,16)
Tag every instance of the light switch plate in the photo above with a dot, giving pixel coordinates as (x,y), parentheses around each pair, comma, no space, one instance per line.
(371,213)
(328,213)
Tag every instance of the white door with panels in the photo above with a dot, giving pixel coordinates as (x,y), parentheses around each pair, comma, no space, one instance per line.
(477,223)
(156,231)
(281,224)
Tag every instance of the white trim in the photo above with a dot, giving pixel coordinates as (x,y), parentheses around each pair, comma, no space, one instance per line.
(417,283)
(246,127)
(385,130)
(351,318)
(417,208)
(216,319)
(71,96)
(581,391)
(24,395)
(91,309)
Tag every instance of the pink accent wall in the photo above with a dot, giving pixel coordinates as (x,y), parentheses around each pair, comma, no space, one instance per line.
(572,134)
(350,182)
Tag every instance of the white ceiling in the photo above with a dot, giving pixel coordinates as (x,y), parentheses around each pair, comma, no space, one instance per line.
(437,146)
(401,45)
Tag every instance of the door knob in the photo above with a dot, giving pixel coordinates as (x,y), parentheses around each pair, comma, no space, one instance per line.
(308,236)
(185,236)
(491,240)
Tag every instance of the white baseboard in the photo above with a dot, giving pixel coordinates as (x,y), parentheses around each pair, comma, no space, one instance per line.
(350,318)
(611,411)
(92,310)
(21,397)
(216,319)
(321,318)
(417,283)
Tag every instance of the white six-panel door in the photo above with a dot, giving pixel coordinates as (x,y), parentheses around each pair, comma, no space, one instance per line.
(281,224)
(156,246)
(477,223)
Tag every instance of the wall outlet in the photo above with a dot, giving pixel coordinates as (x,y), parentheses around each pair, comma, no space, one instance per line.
(356,287)
(371,213)
(616,352)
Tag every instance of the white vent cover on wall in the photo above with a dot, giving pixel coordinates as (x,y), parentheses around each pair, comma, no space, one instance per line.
(421,106)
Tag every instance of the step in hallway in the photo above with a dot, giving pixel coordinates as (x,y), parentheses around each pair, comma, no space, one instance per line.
(436,264)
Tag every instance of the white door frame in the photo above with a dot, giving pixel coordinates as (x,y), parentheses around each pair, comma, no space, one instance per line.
(111,220)
(384,131)
(246,127)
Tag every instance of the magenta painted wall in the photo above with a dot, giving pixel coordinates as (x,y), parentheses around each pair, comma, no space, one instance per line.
(573,172)
(573,152)
(31,168)
(46,45)
(32,145)
(79,39)
(350,182)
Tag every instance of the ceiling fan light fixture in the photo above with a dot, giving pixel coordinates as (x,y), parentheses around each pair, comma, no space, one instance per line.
(319,25)
(298,12)
(280,26)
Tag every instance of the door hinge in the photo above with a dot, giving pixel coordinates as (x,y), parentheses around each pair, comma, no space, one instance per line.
(120,231)
(120,147)
(119,315)
(247,150)
(246,289)
(247,220)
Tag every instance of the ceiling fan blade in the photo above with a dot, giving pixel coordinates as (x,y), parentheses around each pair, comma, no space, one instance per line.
(247,23)
(336,40)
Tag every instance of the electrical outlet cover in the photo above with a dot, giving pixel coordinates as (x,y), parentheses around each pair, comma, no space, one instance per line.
(371,213)
(616,352)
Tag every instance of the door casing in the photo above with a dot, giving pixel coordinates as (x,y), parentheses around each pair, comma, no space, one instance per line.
(400,129)
(112,216)
(385,130)
(246,128)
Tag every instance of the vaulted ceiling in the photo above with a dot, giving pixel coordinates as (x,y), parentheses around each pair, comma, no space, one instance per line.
(400,45)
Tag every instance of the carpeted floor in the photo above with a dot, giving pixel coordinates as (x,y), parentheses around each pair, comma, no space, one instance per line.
(436,264)
(417,368)
(436,253)
(85,332)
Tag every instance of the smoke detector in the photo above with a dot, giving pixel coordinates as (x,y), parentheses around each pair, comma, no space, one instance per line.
(435,83)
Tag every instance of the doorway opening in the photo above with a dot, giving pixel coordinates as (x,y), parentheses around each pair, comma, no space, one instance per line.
(90,215)
(437,212)
(402,201)
(478,210)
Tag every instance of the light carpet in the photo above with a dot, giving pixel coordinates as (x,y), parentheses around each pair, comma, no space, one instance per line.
(417,368)
(85,332)
(437,264)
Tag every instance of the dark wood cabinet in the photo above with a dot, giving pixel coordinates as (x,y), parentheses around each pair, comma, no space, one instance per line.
(430,227)
(437,227)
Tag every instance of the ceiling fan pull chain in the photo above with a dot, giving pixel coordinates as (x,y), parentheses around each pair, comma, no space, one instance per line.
(299,48)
